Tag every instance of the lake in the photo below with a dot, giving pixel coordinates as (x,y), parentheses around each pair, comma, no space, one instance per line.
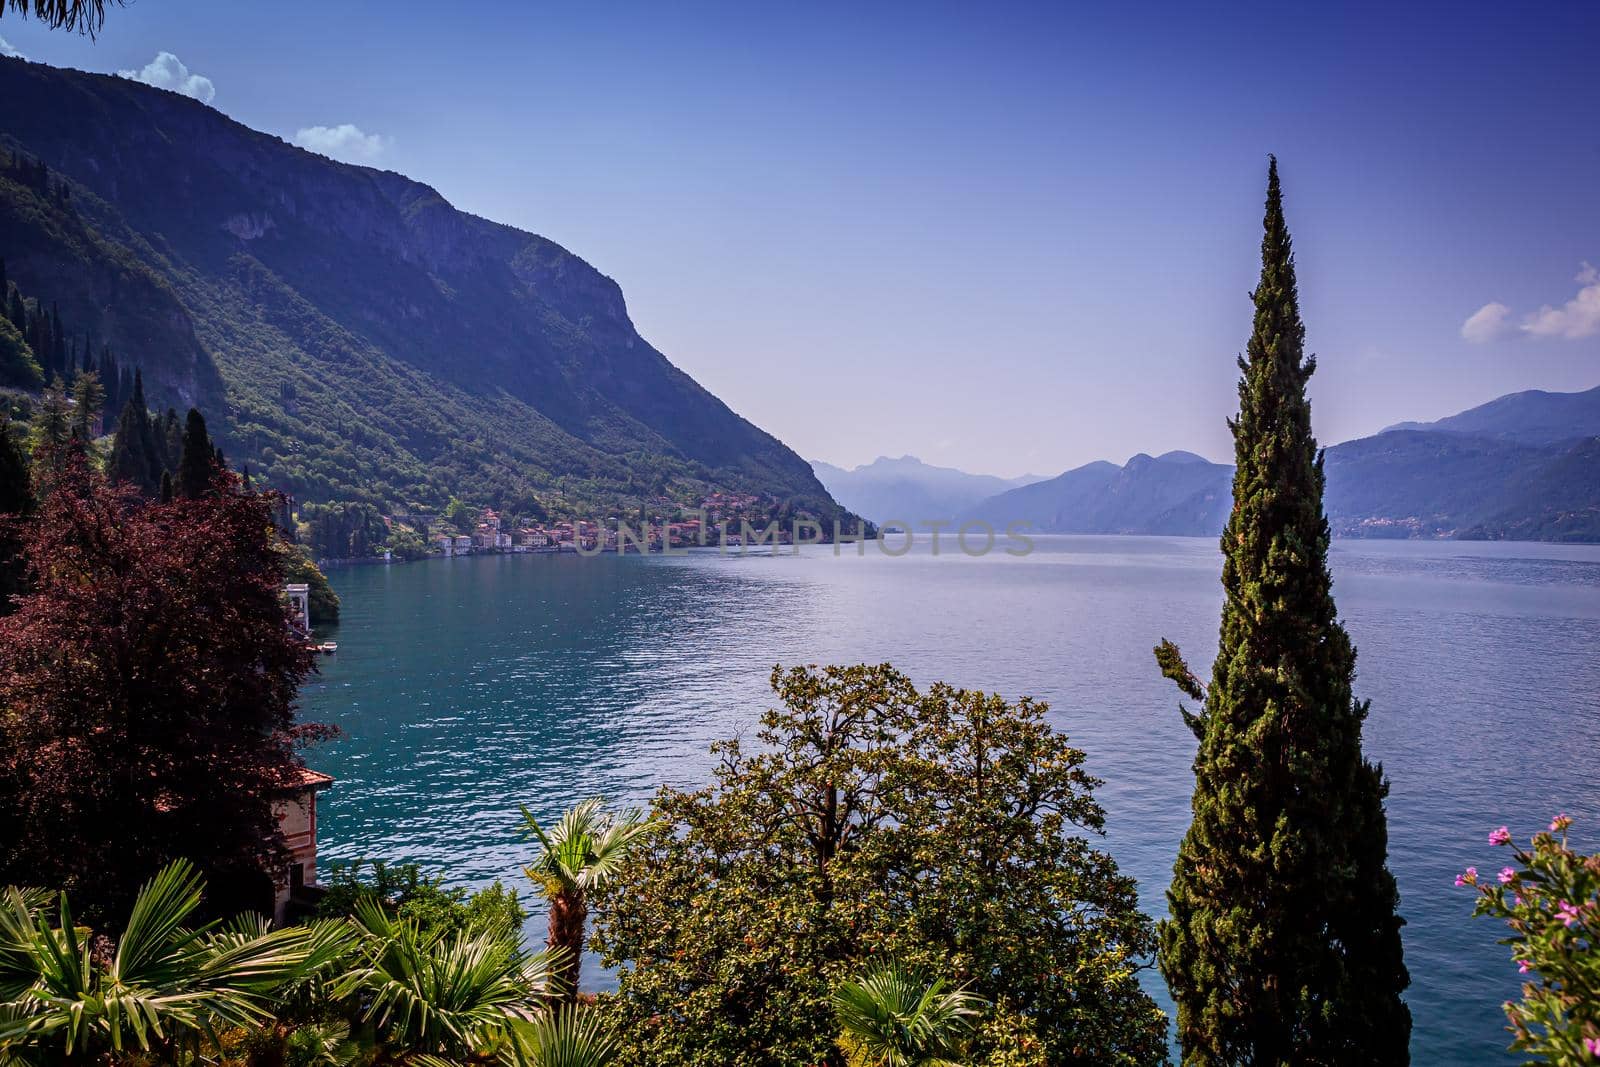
(467,686)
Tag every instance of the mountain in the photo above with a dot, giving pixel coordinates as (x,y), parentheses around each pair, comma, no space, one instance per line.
(1399,483)
(909,490)
(1175,493)
(1533,417)
(353,335)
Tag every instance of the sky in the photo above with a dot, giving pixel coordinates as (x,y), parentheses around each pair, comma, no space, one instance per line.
(1009,239)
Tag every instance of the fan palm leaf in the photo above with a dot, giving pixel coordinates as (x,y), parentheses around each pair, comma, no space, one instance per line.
(451,996)
(895,1017)
(569,1036)
(165,983)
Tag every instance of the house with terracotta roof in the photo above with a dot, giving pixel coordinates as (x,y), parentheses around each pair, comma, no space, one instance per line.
(295,888)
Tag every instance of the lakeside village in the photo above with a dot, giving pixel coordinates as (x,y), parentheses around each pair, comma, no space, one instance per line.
(719,520)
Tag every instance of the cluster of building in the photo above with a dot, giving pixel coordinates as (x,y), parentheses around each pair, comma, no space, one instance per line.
(491,535)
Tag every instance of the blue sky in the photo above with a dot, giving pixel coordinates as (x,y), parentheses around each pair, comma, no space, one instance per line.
(1010,239)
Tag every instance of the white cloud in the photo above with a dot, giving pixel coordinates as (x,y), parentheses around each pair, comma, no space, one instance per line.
(7,50)
(1577,318)
(1487,323)
(346,142)
(166,71)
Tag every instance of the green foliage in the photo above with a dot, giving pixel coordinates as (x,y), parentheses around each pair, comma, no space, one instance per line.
(895,1017)
(166,990)
(18,367)
(1550,899)
(324,602)
(569,1036)
(1283,944)
(343,531)
(376,363)
(944,829)
(449,996)
(406,545)
(404,892)
(582,853)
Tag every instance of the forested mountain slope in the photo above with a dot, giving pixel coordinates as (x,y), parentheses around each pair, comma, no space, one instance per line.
(353,336)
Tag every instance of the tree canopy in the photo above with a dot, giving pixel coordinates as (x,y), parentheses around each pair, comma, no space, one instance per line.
(148,681)
(951,830)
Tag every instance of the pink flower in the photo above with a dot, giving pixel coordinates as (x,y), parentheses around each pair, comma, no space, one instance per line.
(1591,1045)
(1523,966)
(1470,878)
(1507,875)
(1560,823)
(1567,913)
(1501,836)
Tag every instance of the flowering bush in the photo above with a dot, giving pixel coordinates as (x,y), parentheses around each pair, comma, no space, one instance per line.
(1549,896)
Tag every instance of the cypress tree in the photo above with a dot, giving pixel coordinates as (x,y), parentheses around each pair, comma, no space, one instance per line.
(1283,945)
(199,459)
(131,460)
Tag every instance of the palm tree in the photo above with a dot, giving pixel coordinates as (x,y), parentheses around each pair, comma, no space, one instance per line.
(166,990)
(565,1036)
(85,16)
(440,997)
(894,1017)
(579,854)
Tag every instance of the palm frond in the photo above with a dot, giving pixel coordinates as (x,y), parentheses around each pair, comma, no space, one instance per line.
(573,1036)
(898,1018)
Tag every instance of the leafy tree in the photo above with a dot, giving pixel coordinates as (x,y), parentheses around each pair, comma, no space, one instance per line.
(18,367)
(198,463)
(894,1017)
(577,856)
(408,546)
(149,681)
(166,991)
(324,602)
(1550,900)
(943,829)
(1284,943)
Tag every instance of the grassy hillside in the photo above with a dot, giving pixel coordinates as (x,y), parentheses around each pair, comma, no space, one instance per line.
(359,338)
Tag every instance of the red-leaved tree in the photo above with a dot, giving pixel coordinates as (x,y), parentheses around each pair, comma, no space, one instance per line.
(147,691)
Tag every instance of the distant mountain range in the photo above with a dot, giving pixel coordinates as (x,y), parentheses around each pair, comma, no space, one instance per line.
(1534,417)
(1522,467)
(910,490)
(350,334)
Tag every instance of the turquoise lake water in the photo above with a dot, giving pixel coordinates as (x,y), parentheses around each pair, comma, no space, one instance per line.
(465,687)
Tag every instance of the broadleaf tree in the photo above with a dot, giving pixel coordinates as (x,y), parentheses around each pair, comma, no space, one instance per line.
(949,830)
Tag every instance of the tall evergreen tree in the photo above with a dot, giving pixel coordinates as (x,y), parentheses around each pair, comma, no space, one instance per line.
(131,459)
(88,400)
(199,460)
(1283,945)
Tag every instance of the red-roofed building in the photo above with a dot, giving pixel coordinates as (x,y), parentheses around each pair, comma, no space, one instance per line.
(296,809)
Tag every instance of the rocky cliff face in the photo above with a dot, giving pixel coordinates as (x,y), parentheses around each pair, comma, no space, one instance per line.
(422,343)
